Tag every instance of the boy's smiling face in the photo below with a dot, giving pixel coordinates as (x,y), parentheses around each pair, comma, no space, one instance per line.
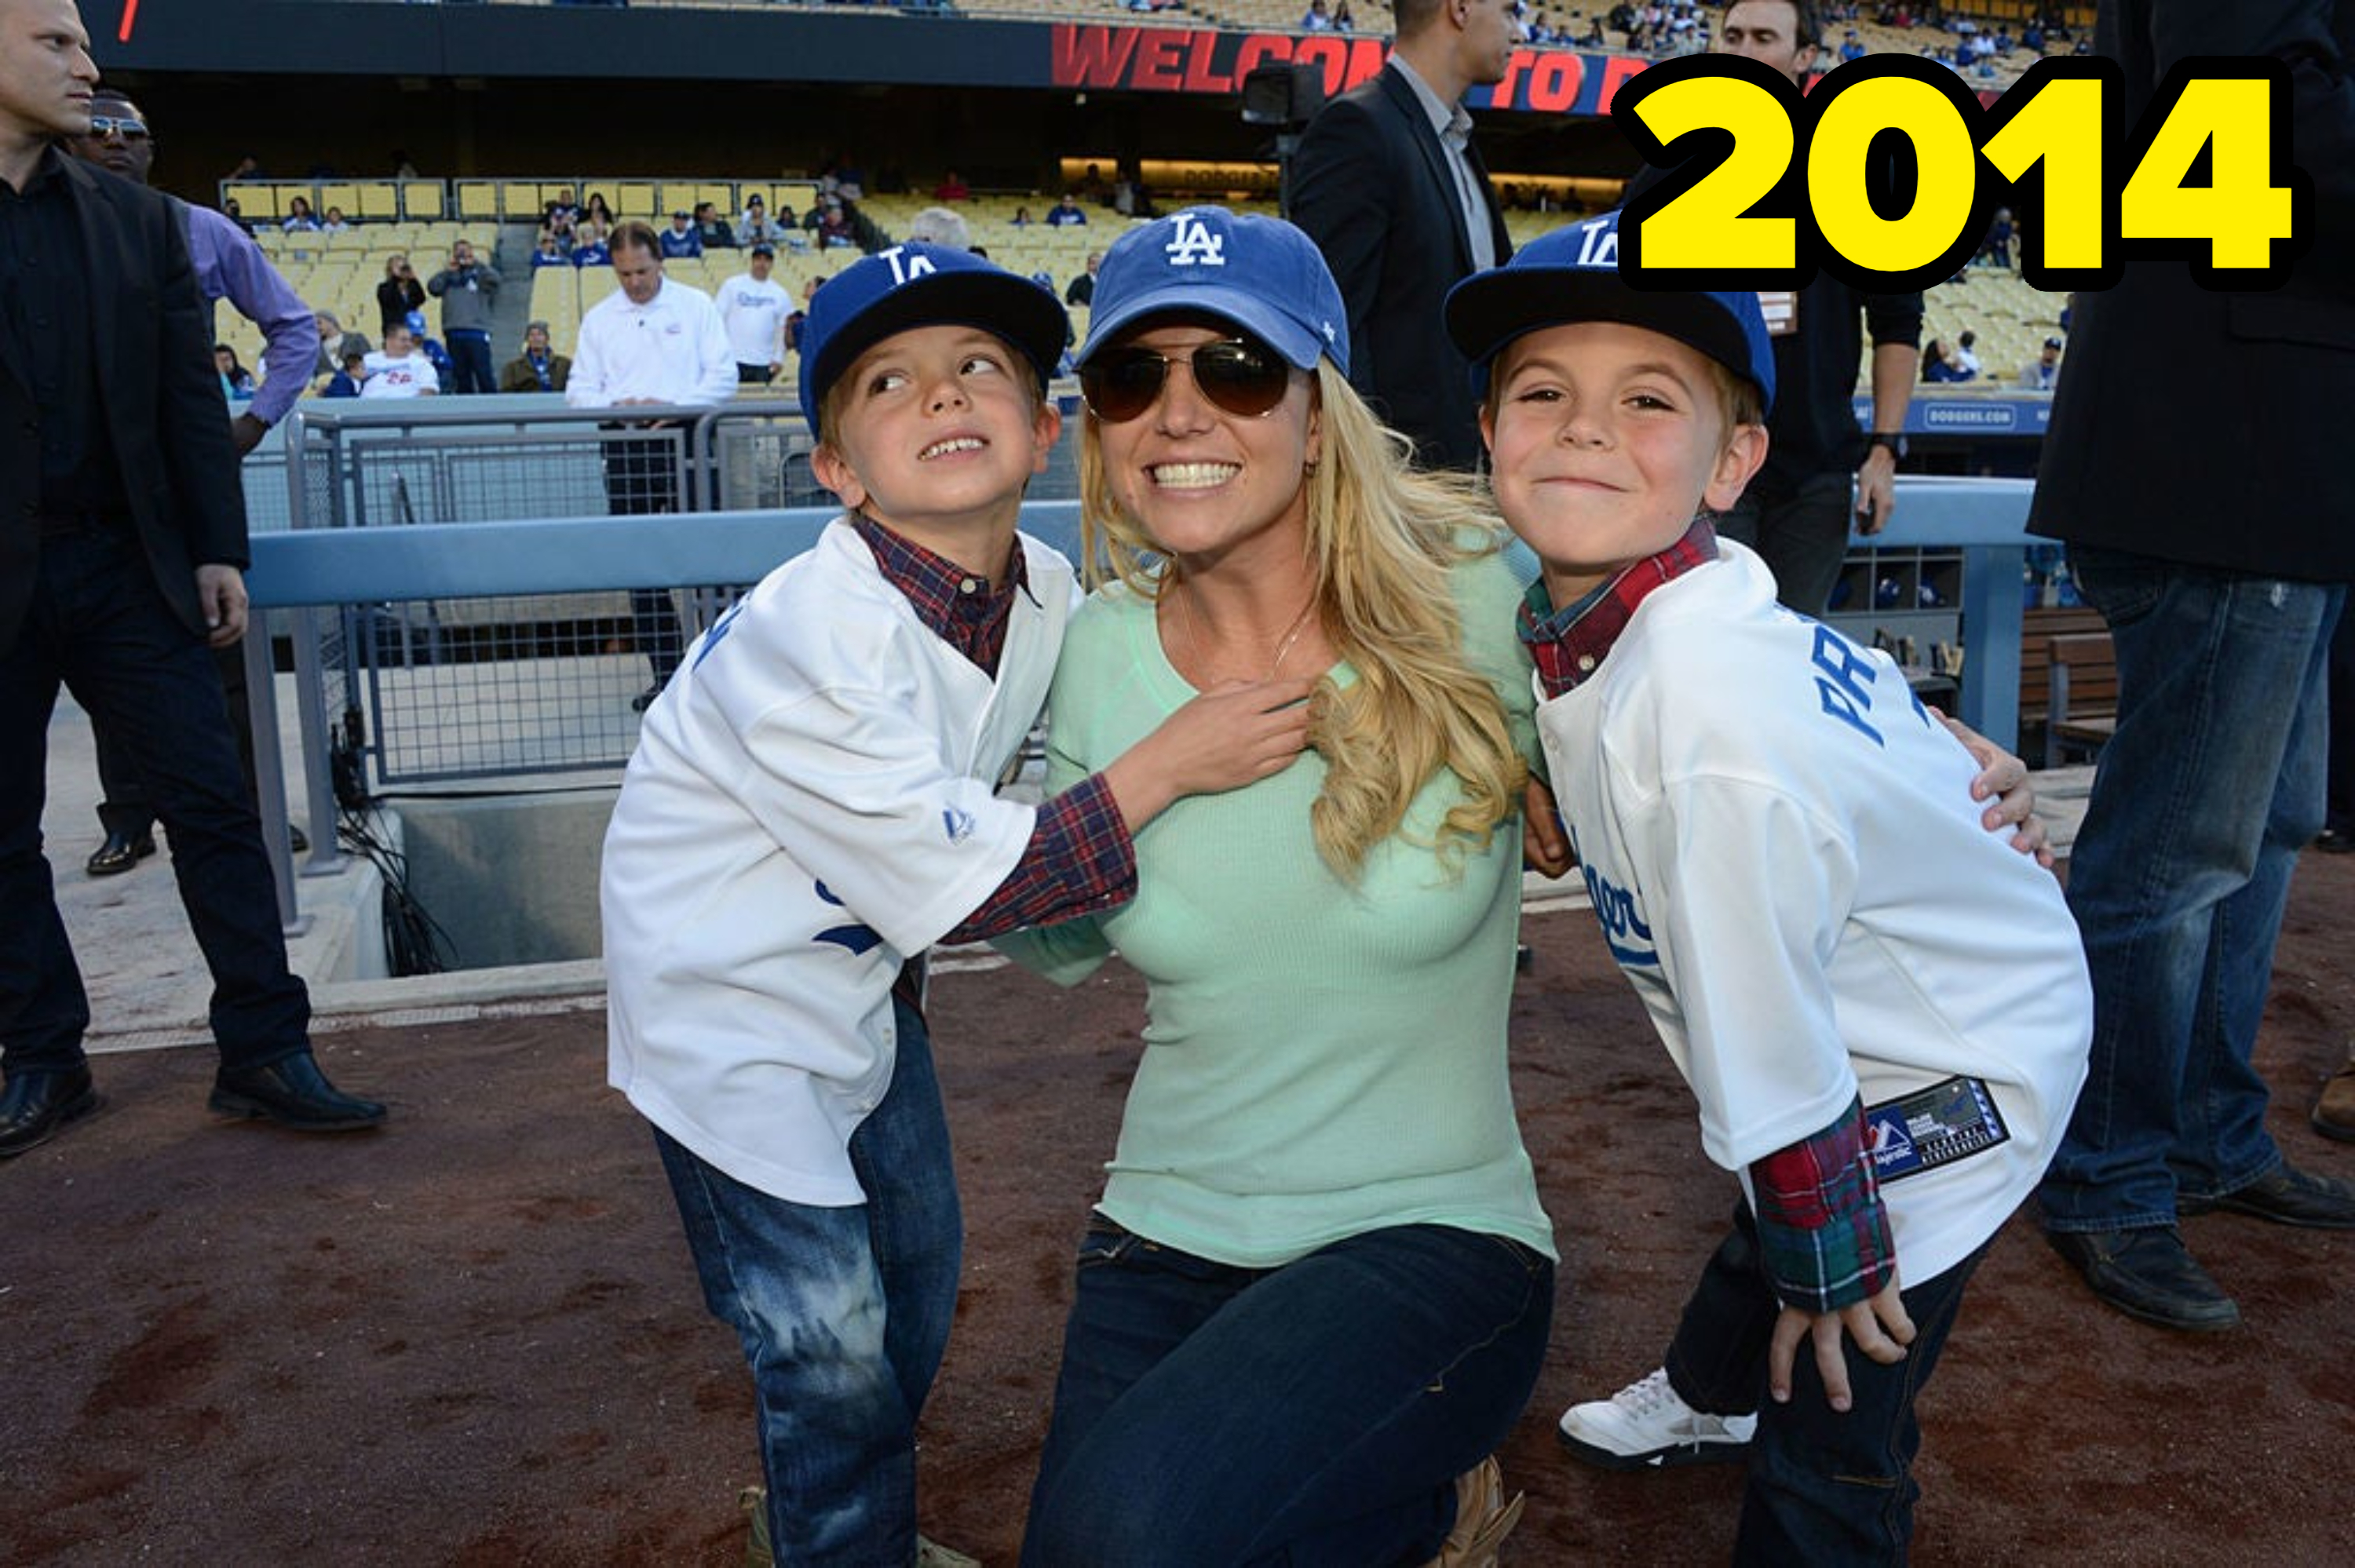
(1604,440)
(939,429)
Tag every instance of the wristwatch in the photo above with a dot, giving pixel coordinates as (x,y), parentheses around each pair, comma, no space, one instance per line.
(1893,440)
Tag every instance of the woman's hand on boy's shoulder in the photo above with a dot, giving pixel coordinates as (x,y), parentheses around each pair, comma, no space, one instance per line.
(2003,782)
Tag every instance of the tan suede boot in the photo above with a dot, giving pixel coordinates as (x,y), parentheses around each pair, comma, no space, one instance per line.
(1482,1518)
(2334,1109)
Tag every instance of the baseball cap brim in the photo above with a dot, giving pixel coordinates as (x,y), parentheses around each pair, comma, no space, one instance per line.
(999,303)
(1489,310)
(1298,345)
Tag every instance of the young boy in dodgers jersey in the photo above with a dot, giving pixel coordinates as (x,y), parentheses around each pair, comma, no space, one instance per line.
(810,808)
(1883,1012)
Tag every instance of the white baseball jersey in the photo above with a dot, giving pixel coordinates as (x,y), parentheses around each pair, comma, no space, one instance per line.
(411,376)
(672,349)
(812,801)
(754,313)
(1786,860)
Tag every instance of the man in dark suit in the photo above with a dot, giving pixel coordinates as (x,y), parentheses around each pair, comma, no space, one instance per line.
(1388,183)
(2215,530)
(121,544)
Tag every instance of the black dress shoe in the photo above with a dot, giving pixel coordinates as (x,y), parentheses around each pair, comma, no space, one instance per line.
(293,1093)
(119,854)
(2335,840)
(297,841)
(2287,1196)
(2148,1275)
(645,699)
(37,1103)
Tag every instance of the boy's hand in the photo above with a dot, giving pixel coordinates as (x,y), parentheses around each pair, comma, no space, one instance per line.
(2003,779)
(1862,1322)
(1545,848)
(1232,734)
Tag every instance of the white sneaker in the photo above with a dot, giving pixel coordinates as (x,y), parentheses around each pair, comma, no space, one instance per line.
(1646,1424)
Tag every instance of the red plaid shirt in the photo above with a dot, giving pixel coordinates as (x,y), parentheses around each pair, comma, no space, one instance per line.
(1081,858)
(1822,1227)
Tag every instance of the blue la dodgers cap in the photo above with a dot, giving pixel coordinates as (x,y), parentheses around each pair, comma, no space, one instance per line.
(1259,273)
(920,285)
(1573,275)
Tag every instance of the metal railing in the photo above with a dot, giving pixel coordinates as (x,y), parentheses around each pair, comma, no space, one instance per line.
(313,573)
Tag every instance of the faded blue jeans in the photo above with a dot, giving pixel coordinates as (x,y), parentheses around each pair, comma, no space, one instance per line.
(843,1314)
(2202,799)
(1208,1415)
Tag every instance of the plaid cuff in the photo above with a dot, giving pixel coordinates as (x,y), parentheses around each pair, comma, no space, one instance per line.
(1079,860)
(1823,1231)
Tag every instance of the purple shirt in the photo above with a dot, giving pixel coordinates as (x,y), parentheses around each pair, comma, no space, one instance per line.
(231,266)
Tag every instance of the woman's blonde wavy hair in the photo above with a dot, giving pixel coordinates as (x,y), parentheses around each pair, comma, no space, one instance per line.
(1381,539)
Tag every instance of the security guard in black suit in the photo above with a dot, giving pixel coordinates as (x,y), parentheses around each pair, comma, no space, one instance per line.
(121,546)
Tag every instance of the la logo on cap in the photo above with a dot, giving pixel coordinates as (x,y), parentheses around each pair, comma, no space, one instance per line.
(1598,243)
(906,268)
(1195,244)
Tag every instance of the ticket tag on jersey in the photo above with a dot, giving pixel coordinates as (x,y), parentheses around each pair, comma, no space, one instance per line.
(1781,309)
(1934,1127)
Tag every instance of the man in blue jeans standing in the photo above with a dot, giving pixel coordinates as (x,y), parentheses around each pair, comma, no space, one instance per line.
(2215,537)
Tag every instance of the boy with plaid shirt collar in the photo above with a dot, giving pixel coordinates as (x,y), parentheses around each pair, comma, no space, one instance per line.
(1883,1011)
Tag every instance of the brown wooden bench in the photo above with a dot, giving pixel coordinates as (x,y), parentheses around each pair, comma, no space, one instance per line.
(2067,680)
(2084,711)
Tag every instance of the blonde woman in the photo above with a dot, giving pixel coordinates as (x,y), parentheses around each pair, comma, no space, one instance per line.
(1316,1293)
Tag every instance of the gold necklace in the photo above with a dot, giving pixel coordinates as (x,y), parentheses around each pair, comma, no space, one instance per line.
(1282,649)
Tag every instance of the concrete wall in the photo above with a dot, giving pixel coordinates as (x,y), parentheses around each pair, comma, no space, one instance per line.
(511,880)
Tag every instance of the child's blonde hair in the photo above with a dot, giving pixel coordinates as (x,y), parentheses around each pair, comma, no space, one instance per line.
(1381,539)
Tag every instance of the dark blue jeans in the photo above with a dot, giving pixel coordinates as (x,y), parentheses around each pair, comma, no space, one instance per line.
(2212,785)
(470,360)
(98,625)
(1315,1413)
(843,1314)
(1824,1486)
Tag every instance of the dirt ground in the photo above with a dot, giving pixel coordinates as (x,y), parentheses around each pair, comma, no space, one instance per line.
(476,1338)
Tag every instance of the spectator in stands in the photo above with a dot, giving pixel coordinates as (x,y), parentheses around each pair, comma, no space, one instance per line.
(589,249)
(334,222)
(1021,218)
(1966,358)
(445,369)
(1797,512)
(298,218)
(236,381)
(652,341)
(1389,183)
(758,228)
(2209,523)
(1342,21)
(1997,247)
(398,294)
(951,189)
(563,210)
(336,344)
(399,369)
(794,322)
(829,221)
(550,253)
(1851,48)
(1083,291)
(1064,212)
(712,229)
(942,226)
(595,211)
(754,307)
(2043,373)
(1316,19)
(467,287)
(1938,363)
(347,381)
(682,237)
(539,368)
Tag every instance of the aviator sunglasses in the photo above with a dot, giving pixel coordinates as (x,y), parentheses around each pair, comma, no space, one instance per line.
(1239,375)
(104,125)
